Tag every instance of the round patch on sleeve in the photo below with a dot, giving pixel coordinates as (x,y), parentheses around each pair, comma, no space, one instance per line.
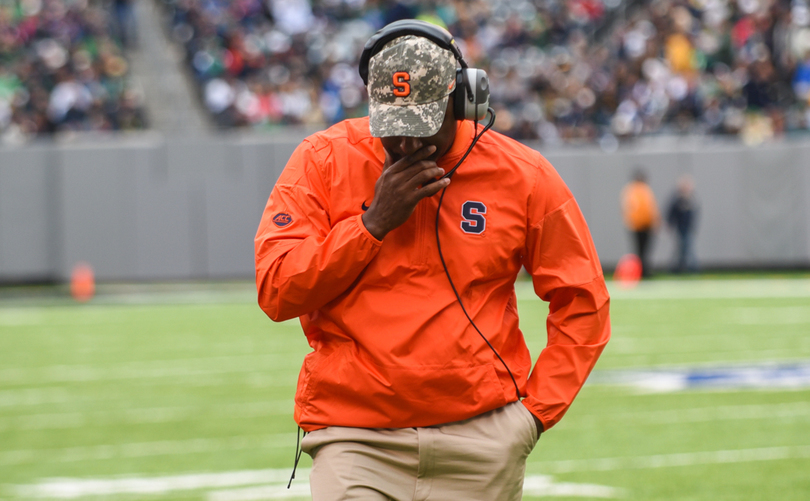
(281,219)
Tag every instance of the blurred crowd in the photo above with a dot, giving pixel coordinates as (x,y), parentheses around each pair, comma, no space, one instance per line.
(709,66)
(266,63)
(62,68)
(561,70)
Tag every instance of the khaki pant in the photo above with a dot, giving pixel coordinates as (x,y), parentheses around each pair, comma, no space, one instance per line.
(482,458)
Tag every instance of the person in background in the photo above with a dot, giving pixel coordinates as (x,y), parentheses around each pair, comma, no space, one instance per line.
(641,216)
(682,218)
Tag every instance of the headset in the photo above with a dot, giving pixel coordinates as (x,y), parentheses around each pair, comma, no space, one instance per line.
(471,95)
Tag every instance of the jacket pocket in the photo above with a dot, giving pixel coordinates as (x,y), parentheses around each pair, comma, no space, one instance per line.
(529,418)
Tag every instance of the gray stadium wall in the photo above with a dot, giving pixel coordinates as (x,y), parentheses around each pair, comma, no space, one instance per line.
(147,207)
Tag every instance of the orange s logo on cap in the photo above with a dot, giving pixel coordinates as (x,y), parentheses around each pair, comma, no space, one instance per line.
(401,86)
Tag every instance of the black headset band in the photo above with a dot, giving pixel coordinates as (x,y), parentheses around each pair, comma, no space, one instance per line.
(437,35)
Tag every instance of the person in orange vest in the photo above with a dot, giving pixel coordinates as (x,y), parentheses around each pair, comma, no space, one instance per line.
(641,216)
(396,239)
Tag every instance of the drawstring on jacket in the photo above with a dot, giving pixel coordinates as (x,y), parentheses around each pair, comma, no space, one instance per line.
(298,452)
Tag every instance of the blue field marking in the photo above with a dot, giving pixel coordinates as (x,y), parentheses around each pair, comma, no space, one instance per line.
(783,376)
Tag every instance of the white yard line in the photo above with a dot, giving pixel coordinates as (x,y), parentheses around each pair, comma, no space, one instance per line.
(72,397)
(536,484)
(150,415)
(768,315)
(145,449)
(251,485)
(783,412)
(170,368)
(69,488)
(674,460)
(545,486)
(20,317)
(298,490)
(143,415)
(34,396)
(533,485)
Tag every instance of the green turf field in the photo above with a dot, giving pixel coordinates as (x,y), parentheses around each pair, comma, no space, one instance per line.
(185,392)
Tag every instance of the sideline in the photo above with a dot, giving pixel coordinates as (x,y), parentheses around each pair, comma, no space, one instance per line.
(244,293)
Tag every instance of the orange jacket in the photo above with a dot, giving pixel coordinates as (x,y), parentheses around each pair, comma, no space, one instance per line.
(639,207)
(391,345)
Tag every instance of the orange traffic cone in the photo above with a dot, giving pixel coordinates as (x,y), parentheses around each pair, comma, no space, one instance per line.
(628,271)
(82,283)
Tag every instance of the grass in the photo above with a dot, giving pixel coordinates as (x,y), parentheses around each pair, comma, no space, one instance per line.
(170,380)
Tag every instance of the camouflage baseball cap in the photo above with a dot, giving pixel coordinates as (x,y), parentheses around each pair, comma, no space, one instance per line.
(409,82)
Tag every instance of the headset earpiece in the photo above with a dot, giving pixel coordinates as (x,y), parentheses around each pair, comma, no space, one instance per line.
(471,95)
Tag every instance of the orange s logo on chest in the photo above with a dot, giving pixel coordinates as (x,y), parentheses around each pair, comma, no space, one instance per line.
(401,86)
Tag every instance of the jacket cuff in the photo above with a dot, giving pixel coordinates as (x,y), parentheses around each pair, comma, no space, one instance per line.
(534,408)
(365,231)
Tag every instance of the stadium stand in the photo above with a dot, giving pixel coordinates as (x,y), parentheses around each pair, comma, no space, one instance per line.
(562,70)
(295,62)
(63,68)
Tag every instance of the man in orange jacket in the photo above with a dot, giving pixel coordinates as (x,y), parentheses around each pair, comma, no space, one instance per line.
(402,272)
